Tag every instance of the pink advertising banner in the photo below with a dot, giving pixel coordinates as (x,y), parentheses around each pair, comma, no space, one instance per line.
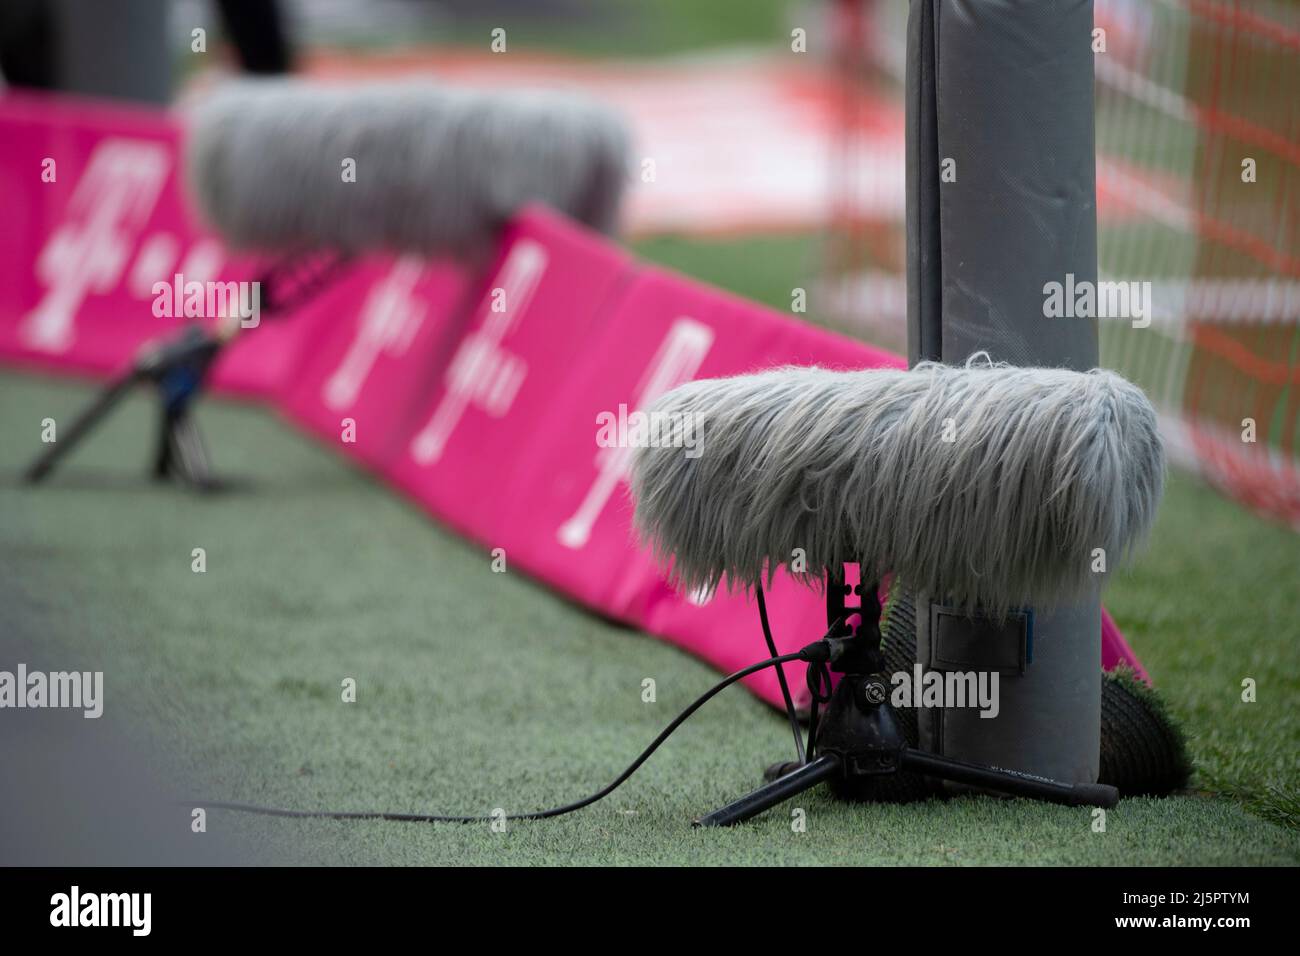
(381,338)
(93,219)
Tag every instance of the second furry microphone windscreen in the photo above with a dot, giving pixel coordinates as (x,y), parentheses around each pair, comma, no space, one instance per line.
(415,166)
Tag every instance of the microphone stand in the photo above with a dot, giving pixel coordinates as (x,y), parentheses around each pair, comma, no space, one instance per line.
(178,367)
(860,738)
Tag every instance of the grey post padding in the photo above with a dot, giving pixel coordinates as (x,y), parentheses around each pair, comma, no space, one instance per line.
(1003,89)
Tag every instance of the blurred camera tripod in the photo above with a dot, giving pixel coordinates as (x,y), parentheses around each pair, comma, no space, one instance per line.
(860,738)
(178,367)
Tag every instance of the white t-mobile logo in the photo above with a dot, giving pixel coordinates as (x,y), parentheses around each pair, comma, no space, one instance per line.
(482,373)
(388,322)
(88,253)
(677,360)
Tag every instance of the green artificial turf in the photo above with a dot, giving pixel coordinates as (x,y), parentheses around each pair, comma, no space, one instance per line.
(479,690)
(763,268)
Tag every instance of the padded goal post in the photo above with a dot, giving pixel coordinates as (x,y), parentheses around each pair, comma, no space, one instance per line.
(1001,200)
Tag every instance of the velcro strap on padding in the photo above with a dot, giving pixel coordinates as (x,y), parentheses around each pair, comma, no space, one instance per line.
(961,642)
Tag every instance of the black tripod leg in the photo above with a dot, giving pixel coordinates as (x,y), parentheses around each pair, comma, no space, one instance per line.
(783,788)
(1007,781)
(164,461)
(80,425)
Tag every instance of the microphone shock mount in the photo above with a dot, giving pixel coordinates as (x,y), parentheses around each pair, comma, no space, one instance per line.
(859,740)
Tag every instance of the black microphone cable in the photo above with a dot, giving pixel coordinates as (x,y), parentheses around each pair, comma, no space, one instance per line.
(817,651)
(800,756)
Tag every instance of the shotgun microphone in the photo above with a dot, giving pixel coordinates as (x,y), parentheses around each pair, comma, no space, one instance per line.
(415,167)
(990,485)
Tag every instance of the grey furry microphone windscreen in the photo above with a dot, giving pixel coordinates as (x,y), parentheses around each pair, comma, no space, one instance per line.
(990,485)
(276,164)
